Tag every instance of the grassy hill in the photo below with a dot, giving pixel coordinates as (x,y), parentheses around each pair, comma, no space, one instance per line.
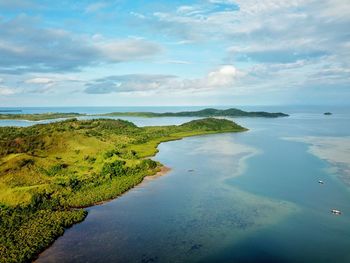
(48,172)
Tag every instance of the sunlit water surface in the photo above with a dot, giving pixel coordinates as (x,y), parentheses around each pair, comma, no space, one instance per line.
(240,197)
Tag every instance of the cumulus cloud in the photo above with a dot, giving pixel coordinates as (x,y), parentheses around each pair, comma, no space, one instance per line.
(274,45)
(129,83)
(222,77)
(25,47)
(287,43)
(297,29)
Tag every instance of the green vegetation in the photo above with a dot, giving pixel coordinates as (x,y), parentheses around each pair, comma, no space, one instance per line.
(49,172)
(203,113)
(39,117)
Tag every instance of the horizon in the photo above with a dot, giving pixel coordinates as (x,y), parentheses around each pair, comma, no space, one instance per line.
(174,131)
(174,53)
(181,106)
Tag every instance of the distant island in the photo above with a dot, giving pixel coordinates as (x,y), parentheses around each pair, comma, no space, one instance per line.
(39,116)
(209,112)
(50,172)
(9,110)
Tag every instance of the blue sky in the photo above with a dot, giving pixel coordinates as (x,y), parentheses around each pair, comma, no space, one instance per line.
(206,52)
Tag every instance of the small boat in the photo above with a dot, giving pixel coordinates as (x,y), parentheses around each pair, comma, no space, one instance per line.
(320,182)
(336,212)
(191,170)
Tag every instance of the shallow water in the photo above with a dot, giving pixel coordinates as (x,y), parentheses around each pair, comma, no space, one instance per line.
(252,197)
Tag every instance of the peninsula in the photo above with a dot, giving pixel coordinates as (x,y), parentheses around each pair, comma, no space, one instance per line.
(39,116)
(209,112)
(50,172)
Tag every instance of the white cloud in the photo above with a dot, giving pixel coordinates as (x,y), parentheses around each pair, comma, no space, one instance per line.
(7,91)
(26,47)
(129,49)
(223,77)
(286,44)
(39,81)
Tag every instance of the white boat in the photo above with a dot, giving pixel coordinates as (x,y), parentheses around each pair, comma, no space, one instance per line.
(336,212)
(320,182)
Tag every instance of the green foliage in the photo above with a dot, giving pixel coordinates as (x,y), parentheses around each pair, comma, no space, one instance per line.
(90,159)
(211,124)
(56,169)
(26,232)
(49,170)
(148,164)
(25,162)
(113,169)
(38,117)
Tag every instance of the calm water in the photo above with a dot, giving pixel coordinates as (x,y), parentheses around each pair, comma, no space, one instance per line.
(251,197)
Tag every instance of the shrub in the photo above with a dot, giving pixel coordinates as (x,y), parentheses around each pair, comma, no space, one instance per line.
(113,169)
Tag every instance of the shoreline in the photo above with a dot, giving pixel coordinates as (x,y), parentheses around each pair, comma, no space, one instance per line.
(146,150)
(163,171)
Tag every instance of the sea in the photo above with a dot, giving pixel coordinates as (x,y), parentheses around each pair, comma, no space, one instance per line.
(265,195)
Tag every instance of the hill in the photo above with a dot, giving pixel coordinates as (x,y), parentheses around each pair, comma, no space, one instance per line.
(48,172)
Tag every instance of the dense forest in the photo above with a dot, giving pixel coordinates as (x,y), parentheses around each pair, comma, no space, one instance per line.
(50,172)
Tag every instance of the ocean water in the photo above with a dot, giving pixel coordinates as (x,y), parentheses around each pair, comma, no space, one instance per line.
(251,197)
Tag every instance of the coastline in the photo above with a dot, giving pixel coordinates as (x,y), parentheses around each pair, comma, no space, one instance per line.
(145,150)
(163,171)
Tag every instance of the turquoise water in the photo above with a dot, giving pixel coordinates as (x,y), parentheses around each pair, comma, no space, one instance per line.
(251,197)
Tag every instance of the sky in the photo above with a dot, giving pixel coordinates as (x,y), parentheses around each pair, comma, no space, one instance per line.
(171,52)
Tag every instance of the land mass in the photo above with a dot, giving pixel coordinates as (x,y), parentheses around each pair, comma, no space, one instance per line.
(39,116)
(209,112)
(50,172)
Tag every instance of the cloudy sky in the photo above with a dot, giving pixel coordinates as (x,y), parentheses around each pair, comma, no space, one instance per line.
(205,52)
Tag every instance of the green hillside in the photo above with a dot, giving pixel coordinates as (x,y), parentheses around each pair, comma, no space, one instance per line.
(48,172)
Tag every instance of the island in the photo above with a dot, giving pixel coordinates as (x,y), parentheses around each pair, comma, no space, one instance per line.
(40,116)
(209,112)
(50,172)
(10,110)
